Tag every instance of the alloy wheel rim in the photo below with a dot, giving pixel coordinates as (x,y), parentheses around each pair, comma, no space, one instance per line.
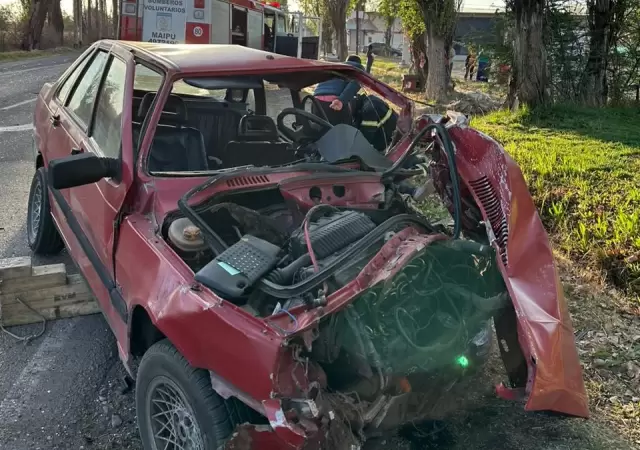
(171,419)
(34,211)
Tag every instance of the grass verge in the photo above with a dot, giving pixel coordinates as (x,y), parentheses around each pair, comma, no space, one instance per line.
(19,54)
(583,170)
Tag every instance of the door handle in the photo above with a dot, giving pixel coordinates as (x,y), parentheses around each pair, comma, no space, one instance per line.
(76,151)
(55,120)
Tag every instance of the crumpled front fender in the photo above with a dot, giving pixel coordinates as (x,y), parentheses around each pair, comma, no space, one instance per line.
(540,316)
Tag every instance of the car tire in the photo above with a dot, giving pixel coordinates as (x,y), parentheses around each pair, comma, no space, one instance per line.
(42,234)
(203,420)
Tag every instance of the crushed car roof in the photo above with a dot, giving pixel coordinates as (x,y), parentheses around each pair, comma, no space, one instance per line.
(223,58)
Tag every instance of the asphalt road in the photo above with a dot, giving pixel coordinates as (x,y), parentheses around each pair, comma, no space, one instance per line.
(59,391)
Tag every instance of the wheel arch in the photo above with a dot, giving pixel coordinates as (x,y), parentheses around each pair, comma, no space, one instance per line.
(143,333)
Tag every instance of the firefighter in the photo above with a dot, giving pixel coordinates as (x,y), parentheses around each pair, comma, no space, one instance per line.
(337,96)
(376,121)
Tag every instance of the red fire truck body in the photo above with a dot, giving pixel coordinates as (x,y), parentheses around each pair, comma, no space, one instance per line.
(250,23)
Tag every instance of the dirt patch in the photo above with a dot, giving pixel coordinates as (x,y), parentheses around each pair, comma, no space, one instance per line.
(607,329)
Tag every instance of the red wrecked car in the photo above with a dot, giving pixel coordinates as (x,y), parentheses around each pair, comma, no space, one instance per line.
(268,283)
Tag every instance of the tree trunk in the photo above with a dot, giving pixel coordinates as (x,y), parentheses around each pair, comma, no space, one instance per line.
(448,44)
(115,20)
(530,54)
(89,20)
(437,81)
(594,79)
(419,61)
(33,33)
(387,35)
(57,21)
(327,36)
(341,38)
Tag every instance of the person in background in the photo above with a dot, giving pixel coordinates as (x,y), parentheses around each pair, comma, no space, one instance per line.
(337,96)
(370,58)
(470,65)
(268,38)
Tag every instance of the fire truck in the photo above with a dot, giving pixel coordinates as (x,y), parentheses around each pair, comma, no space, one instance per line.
(251,23)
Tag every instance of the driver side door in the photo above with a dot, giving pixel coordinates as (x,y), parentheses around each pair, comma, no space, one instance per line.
(100,111)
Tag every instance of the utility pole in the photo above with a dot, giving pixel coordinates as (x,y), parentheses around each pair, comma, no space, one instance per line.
(357,27)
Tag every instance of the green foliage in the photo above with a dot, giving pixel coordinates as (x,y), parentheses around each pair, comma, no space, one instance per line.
(410,15)
(567,50)
(583,169)
(624,63)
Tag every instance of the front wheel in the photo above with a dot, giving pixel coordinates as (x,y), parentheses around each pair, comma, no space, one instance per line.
(176,405)
(42,235)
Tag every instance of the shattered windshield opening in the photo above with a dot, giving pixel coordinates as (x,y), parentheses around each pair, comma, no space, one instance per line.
(215,124)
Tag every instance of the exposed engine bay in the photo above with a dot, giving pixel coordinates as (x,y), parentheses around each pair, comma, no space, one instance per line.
(271,251)
(421,333)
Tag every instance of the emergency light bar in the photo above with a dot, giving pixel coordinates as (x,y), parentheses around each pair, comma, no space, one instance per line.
(276,5)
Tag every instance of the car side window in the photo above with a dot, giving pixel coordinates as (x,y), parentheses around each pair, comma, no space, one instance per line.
(83,96)
(63,93)
(107,124)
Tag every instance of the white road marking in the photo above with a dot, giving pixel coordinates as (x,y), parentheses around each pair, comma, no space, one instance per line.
(36,371)
(32,69)
(15,105)
(27,127)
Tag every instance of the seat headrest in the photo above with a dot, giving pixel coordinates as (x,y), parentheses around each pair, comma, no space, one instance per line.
(257,128)
(174,110)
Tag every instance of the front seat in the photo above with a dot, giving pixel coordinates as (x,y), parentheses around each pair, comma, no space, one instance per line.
(258,144)
(175,147)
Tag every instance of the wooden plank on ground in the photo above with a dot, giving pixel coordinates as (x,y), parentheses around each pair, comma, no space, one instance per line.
(46,289)
(25,316)
(75,290)
(15,267)
(42,277)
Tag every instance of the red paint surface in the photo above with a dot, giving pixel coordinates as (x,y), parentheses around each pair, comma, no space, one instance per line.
(247,352)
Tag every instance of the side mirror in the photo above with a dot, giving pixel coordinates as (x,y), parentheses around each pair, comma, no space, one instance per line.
(81,169)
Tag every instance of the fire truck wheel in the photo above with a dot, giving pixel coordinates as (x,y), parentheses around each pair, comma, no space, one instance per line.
(176,404)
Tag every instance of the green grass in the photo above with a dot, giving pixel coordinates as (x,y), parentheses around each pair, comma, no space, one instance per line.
(583,170)
(388,71)
(18,55)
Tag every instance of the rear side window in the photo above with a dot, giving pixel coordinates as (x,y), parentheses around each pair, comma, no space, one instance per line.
(83,96)
(107,125)
(63,93)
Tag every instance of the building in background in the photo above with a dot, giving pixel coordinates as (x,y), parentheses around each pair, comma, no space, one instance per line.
(373,29)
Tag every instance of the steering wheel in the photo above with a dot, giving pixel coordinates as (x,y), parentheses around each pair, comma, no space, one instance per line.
(315,103)
(299,136)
